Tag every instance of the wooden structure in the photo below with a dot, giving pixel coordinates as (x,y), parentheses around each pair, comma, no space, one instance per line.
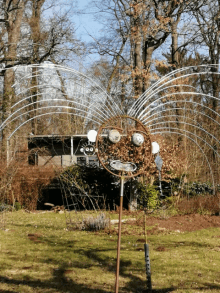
(61,151)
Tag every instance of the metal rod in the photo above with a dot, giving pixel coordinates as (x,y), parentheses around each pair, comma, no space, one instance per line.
(71,149)
(119,235)
(148,271)
(8,152)
(160,184)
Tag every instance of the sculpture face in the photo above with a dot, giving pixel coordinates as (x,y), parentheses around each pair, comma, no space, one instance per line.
(124,146)
(89,150)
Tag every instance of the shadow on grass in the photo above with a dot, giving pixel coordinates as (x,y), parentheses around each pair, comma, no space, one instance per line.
(59,281)
(166,290)
(62,283)
(135,284)
(39,226)
(211,286)
(7,291)
(179,244)
(192,244)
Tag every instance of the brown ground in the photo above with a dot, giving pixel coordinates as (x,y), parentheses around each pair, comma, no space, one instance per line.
(183,223)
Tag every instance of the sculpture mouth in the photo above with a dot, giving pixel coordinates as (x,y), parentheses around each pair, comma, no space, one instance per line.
(123,166)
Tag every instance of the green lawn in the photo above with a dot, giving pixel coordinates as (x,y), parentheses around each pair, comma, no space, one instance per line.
(38,254)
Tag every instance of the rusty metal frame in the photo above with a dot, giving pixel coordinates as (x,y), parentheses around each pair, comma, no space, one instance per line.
(103,126)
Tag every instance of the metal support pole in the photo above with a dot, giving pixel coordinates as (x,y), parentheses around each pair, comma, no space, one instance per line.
(119,235)
(148,271)
(71,148)
(8,152)
(160,185)
(159,163)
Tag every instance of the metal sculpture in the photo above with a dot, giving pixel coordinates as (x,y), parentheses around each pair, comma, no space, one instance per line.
(124,149)
(178,104)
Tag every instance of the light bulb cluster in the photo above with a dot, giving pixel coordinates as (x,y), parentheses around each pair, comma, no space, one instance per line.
(114,136)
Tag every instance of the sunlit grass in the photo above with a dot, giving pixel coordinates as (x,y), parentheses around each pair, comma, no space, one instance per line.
(38,254)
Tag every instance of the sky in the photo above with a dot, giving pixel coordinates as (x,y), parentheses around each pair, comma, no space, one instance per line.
(86,26)
(85,23)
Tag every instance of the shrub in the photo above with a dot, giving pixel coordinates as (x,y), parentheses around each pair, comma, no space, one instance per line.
(17,206)
(201,204)
(21,183)
(147,196)
(176,185)
(4,207)
(91,223)
(92,181)
(195,188)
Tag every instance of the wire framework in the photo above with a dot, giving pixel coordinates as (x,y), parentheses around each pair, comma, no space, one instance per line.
(180,105)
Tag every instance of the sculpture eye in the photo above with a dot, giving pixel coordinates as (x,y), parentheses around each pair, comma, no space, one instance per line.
(114,136)
(137,139)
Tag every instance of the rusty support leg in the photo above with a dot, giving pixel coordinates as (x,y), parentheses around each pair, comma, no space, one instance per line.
(119,235)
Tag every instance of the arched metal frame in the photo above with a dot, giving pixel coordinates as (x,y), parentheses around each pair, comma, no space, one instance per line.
(161,131)
(162,83)
(94,104)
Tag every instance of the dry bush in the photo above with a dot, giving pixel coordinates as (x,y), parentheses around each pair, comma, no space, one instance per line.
(200,204)
(22,183)
(91,223)
(28,183)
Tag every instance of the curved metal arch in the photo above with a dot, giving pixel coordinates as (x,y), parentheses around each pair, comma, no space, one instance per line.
(180,101)
(44,114)
(71,70)
(176,108)
(210,168)
(178,93)
(49,107)
(84,102)
(104,105)
(194,125)
(108,99)
(193,135)
(151,95)
(4,123)
(51,85)
(64,69)
(158,123)
(178,71)
(76,60)
(151,89)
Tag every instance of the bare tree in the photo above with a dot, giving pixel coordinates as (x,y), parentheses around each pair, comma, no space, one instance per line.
(138,27)
(12,14)
(29,35)
(208,22)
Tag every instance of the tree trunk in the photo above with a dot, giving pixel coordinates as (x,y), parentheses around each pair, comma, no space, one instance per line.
(116,66)
(136,38)
(174,45)
(147,59)
(13,20)
(36,36)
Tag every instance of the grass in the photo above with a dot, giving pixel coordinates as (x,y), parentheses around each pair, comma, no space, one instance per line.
(38,254)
